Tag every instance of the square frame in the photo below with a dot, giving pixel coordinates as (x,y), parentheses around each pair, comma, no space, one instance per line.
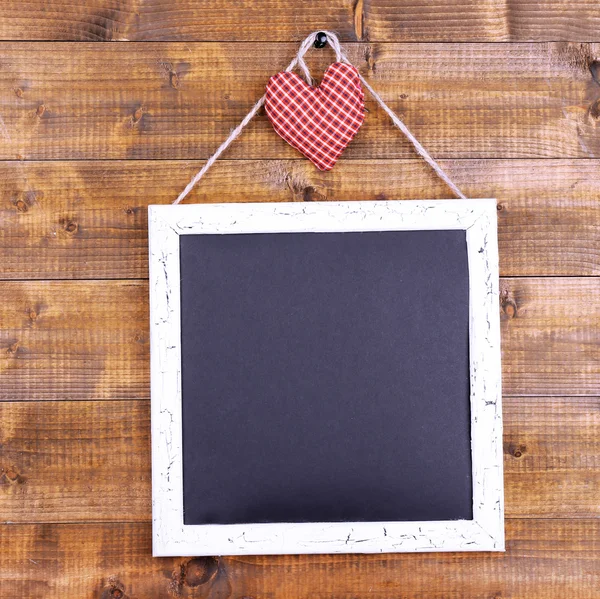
(171,537)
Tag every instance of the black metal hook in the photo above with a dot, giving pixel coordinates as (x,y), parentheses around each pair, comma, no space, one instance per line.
(321,40)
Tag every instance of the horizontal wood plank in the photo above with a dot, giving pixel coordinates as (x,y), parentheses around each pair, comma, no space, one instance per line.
(285,20)
(550,336)
(75,461)
(470,20)
(90,461)
(183,20)
(89,340)
(545,559)
(88,219)
(180,100)
(552,456)
(74,341)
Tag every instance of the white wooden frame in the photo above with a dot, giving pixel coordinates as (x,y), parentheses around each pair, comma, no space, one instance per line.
(484,533)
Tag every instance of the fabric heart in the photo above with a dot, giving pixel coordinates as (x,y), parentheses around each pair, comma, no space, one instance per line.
(318,121)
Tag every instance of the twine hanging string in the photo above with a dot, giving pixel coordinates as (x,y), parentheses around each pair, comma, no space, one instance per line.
(298,61)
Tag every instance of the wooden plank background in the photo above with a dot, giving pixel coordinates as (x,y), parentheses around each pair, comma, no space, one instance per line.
(91,133)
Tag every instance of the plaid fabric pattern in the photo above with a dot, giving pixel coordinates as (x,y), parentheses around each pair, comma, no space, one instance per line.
(318,121)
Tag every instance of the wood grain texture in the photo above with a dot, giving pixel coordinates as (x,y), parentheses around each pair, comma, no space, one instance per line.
(550,336)
(89,340)
(74,341)
(88,219)
(90,461)
(185,20)
(284,20)
(545,559)
(469,20)
(180,100)
(75,461)
(72,461)
(552,456)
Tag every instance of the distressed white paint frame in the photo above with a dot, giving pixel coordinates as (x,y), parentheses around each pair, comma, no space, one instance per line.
(170,536)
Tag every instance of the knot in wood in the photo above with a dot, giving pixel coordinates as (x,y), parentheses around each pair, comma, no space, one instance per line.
(200,570)
(137,115)
(310,194)
(71,226)
(21,206)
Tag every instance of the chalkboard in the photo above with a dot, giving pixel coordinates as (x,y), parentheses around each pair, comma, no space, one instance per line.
(325,377)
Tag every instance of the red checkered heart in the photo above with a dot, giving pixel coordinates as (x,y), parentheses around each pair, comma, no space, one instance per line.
(318,121)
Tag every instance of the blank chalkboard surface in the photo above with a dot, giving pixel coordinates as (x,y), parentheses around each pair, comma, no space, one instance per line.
(325,377)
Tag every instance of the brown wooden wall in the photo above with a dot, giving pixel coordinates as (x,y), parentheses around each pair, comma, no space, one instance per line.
(505,93)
